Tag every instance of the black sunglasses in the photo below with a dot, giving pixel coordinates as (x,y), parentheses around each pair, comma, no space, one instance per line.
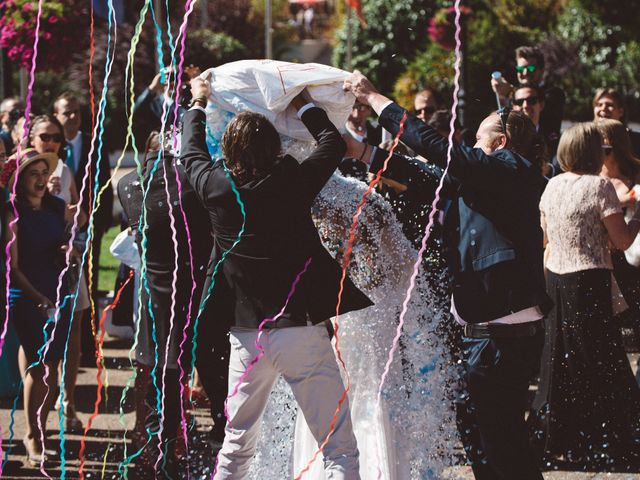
(427,110)
(51,137)
(503,113)
(607,149)
(532,100)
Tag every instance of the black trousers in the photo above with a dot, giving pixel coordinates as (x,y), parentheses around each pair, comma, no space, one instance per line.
(491,413)
(212,357)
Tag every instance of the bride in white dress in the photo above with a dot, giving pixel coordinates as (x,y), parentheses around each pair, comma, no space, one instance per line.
(411,433)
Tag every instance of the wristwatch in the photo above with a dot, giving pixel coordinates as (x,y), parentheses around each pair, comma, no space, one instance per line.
(200,101)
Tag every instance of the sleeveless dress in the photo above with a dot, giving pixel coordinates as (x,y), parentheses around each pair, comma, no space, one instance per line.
(40,235)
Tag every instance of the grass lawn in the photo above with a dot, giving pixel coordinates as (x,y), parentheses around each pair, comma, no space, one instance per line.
(108,265)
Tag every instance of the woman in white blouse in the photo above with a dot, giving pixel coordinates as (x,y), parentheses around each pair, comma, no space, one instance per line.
(585,410)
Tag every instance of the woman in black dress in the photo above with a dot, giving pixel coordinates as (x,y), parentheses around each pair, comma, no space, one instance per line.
(36,262)
(585,410)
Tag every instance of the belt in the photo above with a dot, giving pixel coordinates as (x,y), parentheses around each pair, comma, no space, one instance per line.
(496,330)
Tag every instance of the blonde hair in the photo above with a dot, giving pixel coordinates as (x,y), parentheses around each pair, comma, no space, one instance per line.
(618,137)
(580,149)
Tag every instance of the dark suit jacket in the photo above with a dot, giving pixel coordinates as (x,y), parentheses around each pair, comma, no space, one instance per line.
(103,219)
(492,227)
(160,256)
(279,234)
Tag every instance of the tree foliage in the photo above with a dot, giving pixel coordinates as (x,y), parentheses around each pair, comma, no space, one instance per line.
(387,45)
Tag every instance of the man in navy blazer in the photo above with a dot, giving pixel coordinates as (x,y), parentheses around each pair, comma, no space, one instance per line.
(494,248)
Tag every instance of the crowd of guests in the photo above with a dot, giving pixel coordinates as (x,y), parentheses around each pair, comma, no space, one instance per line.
(584,409)
(50,160)
(536,234)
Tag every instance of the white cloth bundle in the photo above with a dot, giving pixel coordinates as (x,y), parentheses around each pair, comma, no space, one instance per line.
(268,86)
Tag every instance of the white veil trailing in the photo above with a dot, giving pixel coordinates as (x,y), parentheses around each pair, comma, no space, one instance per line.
(412,434)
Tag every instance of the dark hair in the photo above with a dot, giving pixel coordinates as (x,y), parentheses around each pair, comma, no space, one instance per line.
(46,118)
(618,137)
(250,145)
(437,96)
(46,200)
(68,96)
(441,121)
(533,54)
(14,116)
(538,91)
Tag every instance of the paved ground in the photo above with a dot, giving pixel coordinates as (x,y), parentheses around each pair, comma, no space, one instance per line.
(105,447)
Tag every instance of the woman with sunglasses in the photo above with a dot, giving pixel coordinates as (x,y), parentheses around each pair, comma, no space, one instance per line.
(36,253)
(46,135)
(585,410)
(622,168)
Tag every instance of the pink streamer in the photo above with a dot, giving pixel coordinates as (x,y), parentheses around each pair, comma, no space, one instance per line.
(70,246)
(16,215)
(260,330)
(432,214)
(182,39)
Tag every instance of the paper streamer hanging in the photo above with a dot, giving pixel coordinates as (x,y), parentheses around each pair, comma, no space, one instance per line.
(260,348)
(14,407)
(432,214)
(100,367)
(112,23)
(345,266)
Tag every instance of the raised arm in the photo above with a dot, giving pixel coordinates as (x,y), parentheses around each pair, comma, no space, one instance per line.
(323,161)
(471,166)
(194,154)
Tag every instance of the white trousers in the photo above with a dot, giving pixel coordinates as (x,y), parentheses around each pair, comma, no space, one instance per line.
(305,358)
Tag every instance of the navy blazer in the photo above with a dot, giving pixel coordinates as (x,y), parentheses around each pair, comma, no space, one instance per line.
(279,235)
(492,227)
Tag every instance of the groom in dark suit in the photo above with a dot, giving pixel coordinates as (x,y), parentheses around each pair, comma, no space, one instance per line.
(278,243)
(494,242)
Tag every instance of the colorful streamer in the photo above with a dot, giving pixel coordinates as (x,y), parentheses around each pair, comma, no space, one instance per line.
(432,214)
(345,266)
(259,346)
(112,23)
(16,215)
(100,367)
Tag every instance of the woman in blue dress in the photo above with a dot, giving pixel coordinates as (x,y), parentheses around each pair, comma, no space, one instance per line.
(37,259)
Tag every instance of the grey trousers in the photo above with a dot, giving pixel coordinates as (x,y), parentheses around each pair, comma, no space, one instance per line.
(305,358)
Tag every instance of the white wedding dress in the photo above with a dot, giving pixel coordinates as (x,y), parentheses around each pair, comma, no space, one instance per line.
(411,435)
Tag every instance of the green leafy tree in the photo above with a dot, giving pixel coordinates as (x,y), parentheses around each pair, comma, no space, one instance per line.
(488,49)
(596,54)
(386,46)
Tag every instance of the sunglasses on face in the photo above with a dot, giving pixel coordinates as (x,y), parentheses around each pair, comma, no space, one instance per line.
(529,68)
(425,110)
(51,137)
(532,100)
(607,149)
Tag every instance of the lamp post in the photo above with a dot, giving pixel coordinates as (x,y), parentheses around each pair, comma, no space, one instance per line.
(268,40)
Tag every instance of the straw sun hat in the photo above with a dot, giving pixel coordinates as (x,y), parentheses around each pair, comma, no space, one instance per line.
(27,157)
